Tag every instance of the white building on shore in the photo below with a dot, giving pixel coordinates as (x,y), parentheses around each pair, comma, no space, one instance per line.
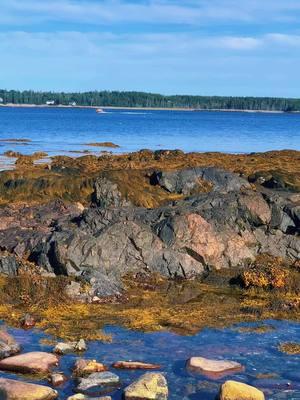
(1,100)
(50,103)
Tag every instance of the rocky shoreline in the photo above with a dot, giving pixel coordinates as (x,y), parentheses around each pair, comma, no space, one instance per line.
(124,236)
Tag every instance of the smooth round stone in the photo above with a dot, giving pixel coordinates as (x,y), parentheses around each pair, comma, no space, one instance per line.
(213,368)
(15,390)
(232,390)
(34,362)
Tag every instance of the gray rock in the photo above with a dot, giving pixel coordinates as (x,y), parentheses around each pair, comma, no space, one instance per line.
(8,345)
(221,229)
(97,379)
(9,265)
(184,239)
(70,347)
(107,194)
(151,386)
(186,180)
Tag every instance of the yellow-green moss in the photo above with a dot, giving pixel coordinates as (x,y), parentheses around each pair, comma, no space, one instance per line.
(184,308)
(290,348)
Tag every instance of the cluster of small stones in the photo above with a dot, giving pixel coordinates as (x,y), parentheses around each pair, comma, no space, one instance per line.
(93,377)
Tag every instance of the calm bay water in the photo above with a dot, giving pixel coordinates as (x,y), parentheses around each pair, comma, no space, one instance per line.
(60,131)
(257,352)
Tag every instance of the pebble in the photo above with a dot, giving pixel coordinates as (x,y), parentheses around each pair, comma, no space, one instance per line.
(58,379)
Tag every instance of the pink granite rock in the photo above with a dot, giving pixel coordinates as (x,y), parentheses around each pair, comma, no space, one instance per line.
(14,390)
(213,369)
(35,362)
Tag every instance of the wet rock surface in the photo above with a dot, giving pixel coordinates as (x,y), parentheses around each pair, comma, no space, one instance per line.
(8,345)
(150,386)
(70,347)
(27,363)
(135,365)
(98,382)
(232,390)
(85,367)
(15,390)
(214,369)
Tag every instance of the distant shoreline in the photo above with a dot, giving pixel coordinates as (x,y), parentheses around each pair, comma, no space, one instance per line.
(149,108)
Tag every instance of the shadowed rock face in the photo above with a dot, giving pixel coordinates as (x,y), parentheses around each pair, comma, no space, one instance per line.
(226,227)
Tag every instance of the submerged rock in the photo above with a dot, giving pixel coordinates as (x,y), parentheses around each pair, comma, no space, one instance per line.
(134,365)
(150,386)
(97,380)
(213,369)
(16,390)
(232,390)
(57,379)
(34,362)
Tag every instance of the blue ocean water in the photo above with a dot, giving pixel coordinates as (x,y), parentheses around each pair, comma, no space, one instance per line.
(258,352)
(60,131)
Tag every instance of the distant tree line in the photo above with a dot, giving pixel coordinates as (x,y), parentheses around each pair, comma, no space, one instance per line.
(141,99)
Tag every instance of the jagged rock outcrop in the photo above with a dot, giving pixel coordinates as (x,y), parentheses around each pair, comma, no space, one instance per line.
(226,227)
(9,265)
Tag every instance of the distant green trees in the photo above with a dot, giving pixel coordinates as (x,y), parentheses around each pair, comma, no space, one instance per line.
(141,99)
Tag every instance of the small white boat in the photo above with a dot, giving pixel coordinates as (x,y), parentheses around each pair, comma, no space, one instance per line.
(100,111)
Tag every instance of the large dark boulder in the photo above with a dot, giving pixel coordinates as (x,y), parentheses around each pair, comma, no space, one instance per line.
(185,181)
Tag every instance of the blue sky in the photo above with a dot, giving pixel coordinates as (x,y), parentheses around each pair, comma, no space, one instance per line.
(208,47)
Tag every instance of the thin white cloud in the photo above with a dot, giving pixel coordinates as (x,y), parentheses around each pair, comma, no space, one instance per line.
(152,11)
(94,45)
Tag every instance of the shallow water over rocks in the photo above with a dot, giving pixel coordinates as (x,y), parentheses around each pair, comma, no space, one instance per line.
(276,373)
